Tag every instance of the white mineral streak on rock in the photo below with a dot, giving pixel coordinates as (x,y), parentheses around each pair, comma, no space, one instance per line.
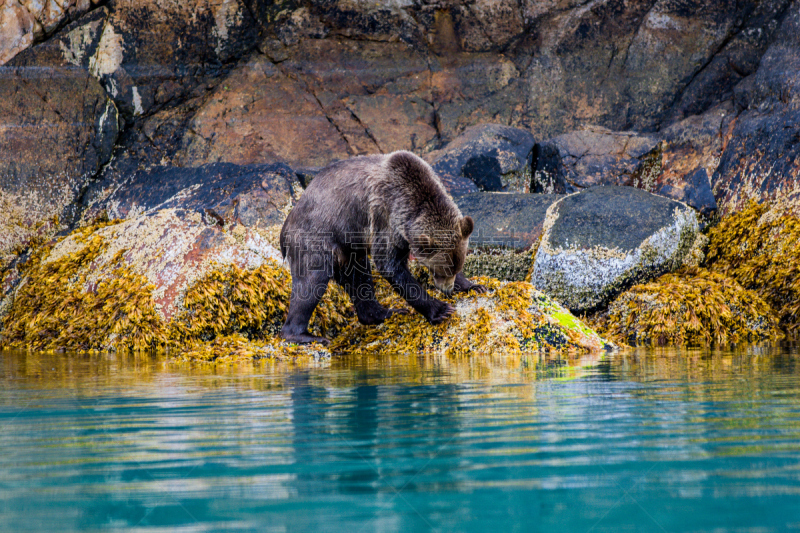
(662,21)
(78,38)
(226,14)
(109,113)
(137,102)
(108,57)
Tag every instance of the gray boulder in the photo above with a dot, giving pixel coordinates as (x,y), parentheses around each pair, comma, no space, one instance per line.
(510,220)
(507,229)
(599,242)
(491,156)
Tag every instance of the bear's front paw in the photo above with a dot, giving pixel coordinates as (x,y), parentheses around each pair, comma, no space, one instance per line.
(439,312)
(480,289)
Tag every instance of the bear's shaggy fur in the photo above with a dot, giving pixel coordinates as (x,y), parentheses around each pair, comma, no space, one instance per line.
(385,207)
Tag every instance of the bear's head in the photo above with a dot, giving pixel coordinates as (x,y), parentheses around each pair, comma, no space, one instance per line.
(442,251)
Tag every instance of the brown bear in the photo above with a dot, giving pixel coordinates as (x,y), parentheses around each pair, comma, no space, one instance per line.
(383,207)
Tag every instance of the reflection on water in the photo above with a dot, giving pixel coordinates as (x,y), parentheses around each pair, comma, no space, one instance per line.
(648,440)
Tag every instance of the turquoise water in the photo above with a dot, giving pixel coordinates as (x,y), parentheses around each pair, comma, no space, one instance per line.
(643,441)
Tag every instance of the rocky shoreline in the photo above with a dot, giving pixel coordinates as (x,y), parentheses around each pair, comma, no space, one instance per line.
(635,162)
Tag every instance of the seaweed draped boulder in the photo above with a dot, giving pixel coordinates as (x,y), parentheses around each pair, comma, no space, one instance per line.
(511,318)
(178,280)
(692,306)
(601,241)
(122,283)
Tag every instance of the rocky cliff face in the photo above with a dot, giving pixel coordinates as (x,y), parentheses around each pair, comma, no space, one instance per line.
(305,83)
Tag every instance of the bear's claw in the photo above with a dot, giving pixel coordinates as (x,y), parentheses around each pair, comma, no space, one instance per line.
(440,312)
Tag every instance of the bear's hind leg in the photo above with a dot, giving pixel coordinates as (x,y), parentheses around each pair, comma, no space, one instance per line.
(356,278)
(307,291)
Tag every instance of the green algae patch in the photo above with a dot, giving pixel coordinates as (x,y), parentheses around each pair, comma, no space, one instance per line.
(759,247)
(692,306)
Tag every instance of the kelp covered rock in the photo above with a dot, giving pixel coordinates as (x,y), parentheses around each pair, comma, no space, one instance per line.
(166,280)
(603,240)
(513,317)
(171,248)
(172,281)
(692,306)
(759,247)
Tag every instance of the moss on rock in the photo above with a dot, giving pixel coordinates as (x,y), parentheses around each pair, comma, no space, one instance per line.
(52,308)
(64,303)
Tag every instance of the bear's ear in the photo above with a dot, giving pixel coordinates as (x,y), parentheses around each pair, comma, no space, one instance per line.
(423,243)
(467,225)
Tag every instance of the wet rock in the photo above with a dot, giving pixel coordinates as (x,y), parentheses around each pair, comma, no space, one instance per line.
(58,129)
(601,241)
(507,229)
(331,80)
(761,161)
(256,196)
(676,163)
(171,248)
(738,58)
(492,156)
(687,158)
(627,66)
(547,171)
